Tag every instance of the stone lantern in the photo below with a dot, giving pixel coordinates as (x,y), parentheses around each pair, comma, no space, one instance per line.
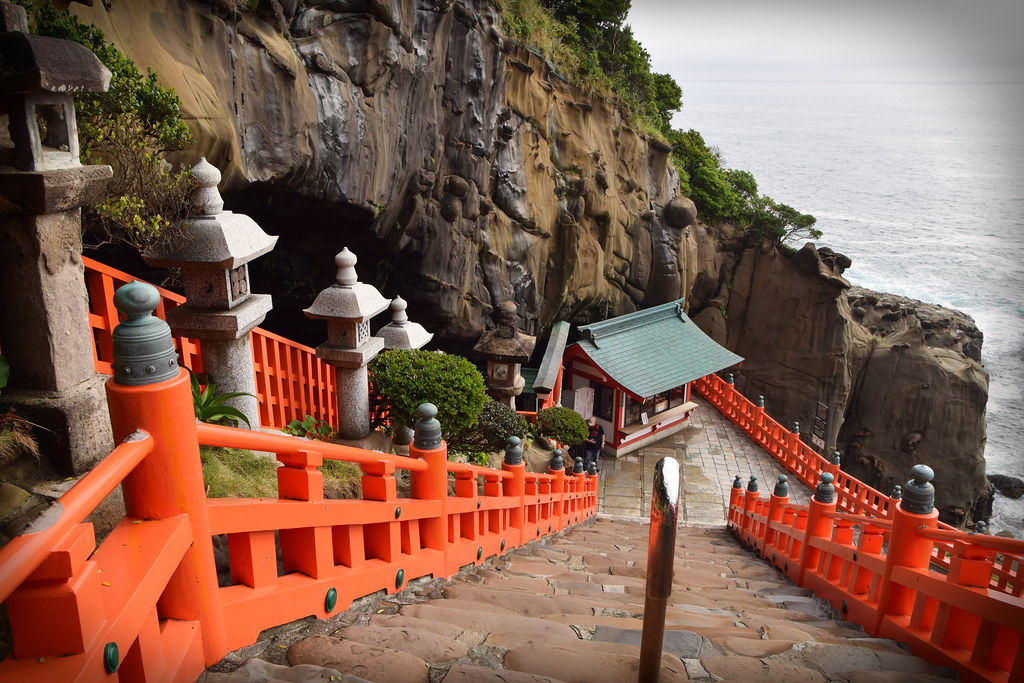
(44,307)
(505,349)
(214,257)
(400,333)
(347,306)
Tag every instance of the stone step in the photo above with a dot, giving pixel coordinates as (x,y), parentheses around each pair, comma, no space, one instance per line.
(570,609)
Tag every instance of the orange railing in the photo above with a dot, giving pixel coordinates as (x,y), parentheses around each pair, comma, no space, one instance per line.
(801,460)
(153,603)
(881,574)
(291,382)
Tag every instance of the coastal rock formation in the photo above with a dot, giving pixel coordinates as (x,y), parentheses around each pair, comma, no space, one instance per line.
(464,171)
(902,379)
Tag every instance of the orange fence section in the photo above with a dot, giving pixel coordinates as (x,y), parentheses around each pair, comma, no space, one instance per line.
(154,602)
(955,597)
(291,382)
(880,573)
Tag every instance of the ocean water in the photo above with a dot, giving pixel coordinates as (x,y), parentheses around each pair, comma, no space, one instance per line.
(920,184)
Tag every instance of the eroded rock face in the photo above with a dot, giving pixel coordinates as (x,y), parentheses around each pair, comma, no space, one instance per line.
(903,379)
(459,167)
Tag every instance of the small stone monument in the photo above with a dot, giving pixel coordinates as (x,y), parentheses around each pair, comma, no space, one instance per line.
(400,333)
(44,307)
(505,349)
(214,260)
(347,306)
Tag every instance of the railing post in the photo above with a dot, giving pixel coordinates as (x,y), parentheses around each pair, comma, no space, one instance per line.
(515,487)
(906,548)
(776,505)
(149,391)
(758,427)
(748,506)
(793,454)
(818,524)
(661,545)
(735,501)
(432,483)
(556,468)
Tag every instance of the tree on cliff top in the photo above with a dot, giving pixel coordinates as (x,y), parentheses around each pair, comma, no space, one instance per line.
(131,127)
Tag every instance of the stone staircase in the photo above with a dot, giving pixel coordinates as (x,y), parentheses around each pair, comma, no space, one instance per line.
(569,609)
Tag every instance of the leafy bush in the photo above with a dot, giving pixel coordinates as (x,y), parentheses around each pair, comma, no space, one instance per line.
(131,127)
(496,424)
(210,404)
(563,424)
(310,428)
(406,379)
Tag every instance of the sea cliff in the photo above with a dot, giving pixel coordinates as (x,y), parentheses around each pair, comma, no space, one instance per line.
(464,171)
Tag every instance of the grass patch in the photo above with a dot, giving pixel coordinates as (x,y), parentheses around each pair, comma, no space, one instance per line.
(237,473)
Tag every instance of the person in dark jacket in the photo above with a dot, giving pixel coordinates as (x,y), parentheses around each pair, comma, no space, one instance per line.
(593,444)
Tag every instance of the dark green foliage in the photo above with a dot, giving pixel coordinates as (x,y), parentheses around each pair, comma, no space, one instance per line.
(496,424)
(209,404)
(731,196)
(563,424)
(310,428)
(130,127)
(407,379)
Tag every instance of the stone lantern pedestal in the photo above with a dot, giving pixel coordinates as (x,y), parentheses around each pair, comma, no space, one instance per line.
(347,306)
(44,307)
(220,310)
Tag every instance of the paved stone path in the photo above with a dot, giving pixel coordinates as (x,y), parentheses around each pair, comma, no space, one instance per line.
(711,452)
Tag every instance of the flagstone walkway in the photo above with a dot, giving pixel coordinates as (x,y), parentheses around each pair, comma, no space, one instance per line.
(711,452)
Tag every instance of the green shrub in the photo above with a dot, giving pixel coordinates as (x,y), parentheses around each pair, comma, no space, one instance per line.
(310,428)
(496,424)
(563,424)
(211,406)
(407,379)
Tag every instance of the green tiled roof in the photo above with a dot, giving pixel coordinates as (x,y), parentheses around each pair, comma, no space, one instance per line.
(653,350)
(530,376)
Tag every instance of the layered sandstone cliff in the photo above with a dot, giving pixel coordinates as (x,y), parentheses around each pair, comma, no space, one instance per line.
(464,171)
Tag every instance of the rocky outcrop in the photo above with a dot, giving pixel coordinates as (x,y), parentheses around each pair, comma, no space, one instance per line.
(463,171)
(902,379)
(459,166)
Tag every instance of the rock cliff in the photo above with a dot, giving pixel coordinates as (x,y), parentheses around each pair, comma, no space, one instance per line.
(463,171)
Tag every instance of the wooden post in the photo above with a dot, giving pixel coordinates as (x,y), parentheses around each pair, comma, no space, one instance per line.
(818,524)
(169,482)
(432,483)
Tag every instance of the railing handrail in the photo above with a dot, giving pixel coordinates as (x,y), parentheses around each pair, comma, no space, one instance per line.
(661,546)
(231,437)
(23,553)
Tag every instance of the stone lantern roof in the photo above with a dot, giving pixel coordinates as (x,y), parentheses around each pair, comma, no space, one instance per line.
(505,342)
(400,333)
(37,64)
(347,299)
(215,237)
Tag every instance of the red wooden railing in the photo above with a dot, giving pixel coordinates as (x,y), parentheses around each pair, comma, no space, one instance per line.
(955,597)
(880,573)
(147,602)
(291,382)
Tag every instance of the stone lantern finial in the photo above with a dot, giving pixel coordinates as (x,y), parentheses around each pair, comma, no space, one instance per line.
(206,199)
(398,314)
(346,262)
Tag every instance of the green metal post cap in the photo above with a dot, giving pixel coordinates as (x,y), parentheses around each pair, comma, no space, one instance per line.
(918,493)
(398,512)
(428,429)
(142,344)
(752,485)
(825,493)
(836,458)
(514,451)
(399,578)
(782,487)
(479,553)
(111,657)
(737,483)
(331,599)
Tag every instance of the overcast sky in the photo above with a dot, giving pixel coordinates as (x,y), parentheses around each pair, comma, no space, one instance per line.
(828,40)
